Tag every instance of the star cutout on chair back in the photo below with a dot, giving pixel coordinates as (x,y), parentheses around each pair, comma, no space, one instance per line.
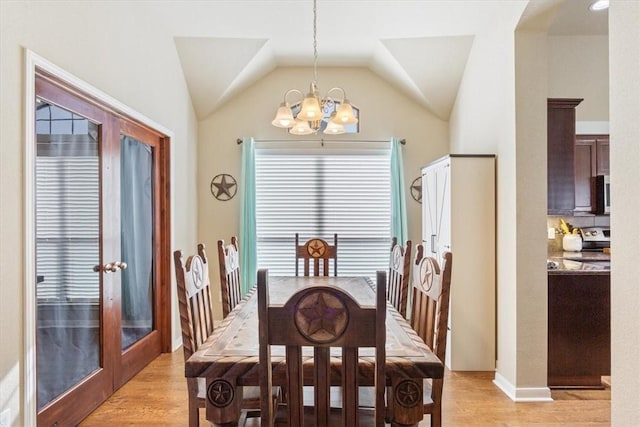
(426,275)
(321,317)
(316,248)
(397,255)
(197,272)
(430,278)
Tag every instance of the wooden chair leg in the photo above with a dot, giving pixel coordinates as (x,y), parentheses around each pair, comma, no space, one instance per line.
(194,402)
(436,411)
(194,413)
(436,420)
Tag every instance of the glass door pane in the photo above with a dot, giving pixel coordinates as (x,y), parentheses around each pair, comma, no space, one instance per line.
(67,250)
(137,239)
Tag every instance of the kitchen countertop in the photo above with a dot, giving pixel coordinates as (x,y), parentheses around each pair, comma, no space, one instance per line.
(579,263)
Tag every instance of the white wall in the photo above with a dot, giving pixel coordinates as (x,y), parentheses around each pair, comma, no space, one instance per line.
(501,108)
(384,113)
(129,54)
(579,68)
(624,45)
(531,205)
(119,48)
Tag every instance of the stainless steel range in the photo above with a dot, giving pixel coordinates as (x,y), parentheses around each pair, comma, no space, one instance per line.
(595,238)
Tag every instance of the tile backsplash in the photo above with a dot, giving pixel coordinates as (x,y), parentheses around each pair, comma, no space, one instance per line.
(579,221)
(553,221)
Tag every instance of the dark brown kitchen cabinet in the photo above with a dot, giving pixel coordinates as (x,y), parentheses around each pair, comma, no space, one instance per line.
(579,330)
(591,159)
(561,137)
(602,154)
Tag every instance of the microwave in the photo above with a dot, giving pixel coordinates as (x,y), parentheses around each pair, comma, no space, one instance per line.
(603,194)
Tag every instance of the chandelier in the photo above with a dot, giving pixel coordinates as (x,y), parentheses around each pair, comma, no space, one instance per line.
(313,108)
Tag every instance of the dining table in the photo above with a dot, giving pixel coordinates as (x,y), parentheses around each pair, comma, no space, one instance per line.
(229,358)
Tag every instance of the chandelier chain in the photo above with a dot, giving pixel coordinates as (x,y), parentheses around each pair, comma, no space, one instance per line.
(315,114)
(315,44)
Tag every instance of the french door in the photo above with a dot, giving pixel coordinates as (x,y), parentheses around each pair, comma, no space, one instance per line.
(102,231)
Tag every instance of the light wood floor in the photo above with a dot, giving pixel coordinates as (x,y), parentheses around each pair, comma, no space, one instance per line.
(158,396)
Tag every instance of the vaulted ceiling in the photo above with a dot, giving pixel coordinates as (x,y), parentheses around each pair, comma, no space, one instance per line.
(419,47)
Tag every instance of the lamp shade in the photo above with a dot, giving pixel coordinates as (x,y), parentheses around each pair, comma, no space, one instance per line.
(333,128)
(313,107)
(310,109)
(284,117)
(344,114)
(301,127)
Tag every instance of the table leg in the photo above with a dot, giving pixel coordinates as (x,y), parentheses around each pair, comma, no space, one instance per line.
(223,401)
(405,402)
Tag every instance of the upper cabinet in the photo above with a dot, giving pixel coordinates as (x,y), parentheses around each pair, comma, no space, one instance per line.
(561,137)
(591,159)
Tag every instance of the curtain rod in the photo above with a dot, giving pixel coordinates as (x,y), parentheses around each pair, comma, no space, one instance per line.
(322,141)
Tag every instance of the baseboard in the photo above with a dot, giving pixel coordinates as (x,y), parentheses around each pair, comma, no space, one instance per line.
(176,343)
(522,394)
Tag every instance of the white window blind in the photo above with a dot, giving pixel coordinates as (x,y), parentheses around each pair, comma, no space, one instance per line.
(317,194)
(68,228)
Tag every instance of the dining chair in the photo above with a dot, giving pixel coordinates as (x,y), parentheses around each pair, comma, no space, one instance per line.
(229,263)
(399,271)
(321,317)
(317,252)
(196,321)
(429,318)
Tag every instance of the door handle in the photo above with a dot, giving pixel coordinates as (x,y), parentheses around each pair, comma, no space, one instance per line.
(107,268)
(110,267)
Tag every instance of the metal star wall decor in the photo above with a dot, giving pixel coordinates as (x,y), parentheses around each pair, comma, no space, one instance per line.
(416,189)
(224,187)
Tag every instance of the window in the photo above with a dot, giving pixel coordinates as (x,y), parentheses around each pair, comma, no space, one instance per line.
(319,193)
(68,206)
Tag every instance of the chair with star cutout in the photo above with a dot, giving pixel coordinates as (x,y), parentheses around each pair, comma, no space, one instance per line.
(321,317)
(399,270)
(316,255)
(196,320)
(429,317)
(229,263)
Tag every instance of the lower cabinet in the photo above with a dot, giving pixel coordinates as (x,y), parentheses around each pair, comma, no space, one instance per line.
(579,331)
